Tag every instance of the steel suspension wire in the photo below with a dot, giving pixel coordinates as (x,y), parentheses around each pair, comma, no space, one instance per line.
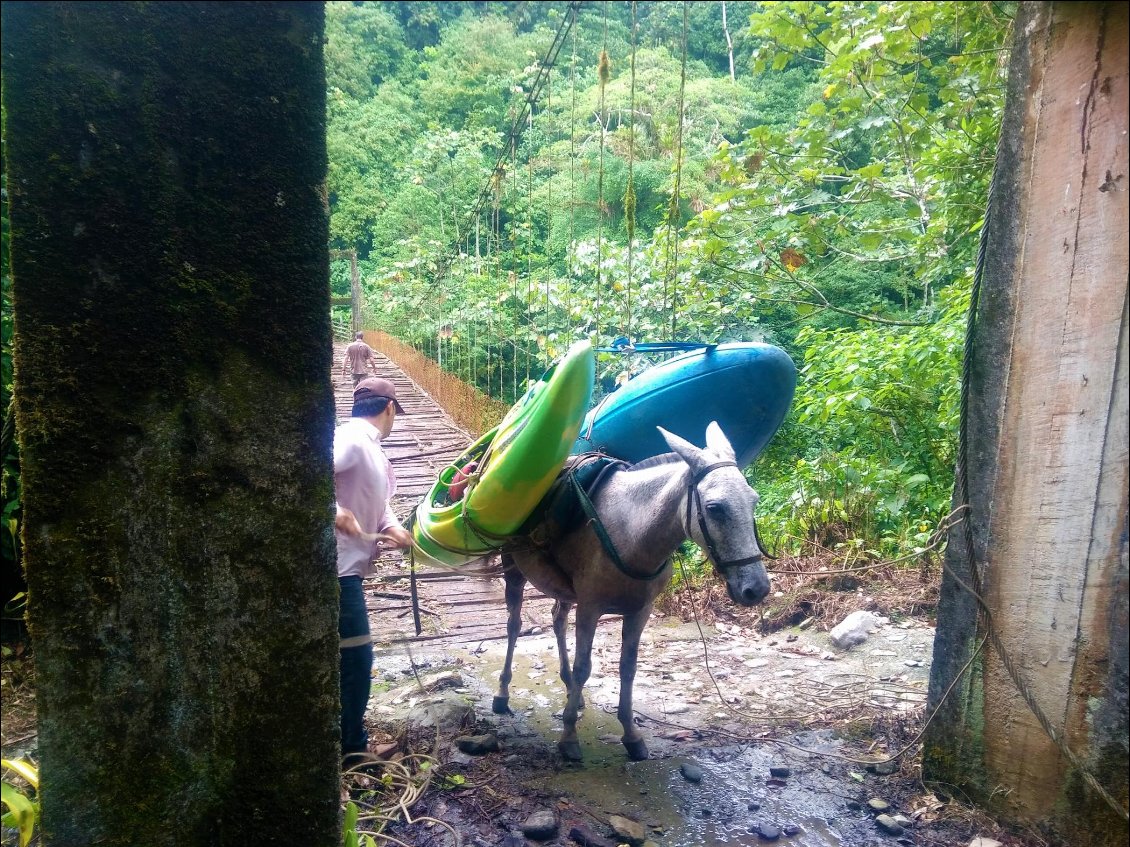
(514,280)
(604,74)
(529,246)
(630,191)
(672,262)
(571,252)
(549,207)
(516,128)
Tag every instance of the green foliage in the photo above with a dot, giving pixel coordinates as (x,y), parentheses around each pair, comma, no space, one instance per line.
(350,836)
(365,46)
(887,167)
(875,428)
(828,200)
(22,811)
(455,780)
(469,78)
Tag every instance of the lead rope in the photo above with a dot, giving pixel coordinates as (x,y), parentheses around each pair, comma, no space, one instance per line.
(412,589)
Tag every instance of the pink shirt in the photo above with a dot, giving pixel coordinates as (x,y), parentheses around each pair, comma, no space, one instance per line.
(364,483)
(357,356)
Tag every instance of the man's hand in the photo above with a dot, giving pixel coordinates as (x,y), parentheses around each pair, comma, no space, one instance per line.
(396,536)
(346,523)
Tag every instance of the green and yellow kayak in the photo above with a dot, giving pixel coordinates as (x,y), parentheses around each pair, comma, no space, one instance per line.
(489,491)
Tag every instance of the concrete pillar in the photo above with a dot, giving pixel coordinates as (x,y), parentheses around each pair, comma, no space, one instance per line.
(1047,448)
(172,353)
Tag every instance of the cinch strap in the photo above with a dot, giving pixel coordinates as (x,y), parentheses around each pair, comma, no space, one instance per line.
(602,534)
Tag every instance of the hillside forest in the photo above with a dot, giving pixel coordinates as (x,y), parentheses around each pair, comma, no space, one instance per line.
(515,176)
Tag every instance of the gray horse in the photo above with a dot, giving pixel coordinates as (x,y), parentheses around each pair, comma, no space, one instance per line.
(646,510)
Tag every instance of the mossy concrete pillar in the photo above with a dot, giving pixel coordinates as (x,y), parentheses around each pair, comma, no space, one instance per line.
(1047,452)
(172,354)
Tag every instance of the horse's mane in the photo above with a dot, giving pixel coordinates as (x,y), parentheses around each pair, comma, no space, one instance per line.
(652,461)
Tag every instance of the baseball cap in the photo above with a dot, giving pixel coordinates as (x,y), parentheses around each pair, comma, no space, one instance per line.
(375,386)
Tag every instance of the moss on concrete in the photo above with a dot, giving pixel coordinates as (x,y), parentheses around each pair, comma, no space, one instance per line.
(172,353)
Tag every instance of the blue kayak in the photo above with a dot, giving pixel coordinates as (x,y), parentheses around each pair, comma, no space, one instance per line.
(746,386)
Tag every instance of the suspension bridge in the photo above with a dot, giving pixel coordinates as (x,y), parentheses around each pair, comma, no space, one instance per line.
(455,610)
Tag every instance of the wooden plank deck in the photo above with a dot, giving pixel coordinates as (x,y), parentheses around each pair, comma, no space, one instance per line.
(455,609)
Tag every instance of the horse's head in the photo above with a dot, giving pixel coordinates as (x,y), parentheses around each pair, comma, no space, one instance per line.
(719,514)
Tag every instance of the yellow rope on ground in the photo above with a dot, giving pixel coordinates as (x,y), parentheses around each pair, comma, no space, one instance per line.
(388,799)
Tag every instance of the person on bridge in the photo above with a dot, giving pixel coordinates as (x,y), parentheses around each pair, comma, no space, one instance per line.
(359,358)
(364,484)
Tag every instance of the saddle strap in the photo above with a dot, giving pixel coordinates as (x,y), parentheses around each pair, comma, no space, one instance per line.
(598,525)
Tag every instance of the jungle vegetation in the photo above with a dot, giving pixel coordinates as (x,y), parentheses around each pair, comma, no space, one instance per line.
(823,191)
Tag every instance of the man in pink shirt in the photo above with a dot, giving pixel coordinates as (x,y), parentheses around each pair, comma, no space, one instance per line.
(364,483)
(358,359)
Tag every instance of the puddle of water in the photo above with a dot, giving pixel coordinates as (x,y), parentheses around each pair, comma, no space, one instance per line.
(733,797)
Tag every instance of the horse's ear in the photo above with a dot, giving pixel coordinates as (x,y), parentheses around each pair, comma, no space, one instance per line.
(717,442)
(688,452)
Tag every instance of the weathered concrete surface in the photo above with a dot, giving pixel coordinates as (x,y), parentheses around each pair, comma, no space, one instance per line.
(1048,467)
(170,276)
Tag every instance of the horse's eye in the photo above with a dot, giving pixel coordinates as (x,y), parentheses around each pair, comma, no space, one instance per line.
(716,510)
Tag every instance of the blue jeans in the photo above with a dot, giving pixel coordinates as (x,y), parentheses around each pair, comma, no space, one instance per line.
(356,666)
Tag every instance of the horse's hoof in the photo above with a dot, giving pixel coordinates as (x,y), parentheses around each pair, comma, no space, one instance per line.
(637,750)
(501,706)
(570,751)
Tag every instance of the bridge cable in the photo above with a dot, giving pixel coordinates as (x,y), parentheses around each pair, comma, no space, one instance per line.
(571,253)
(513,239)
(548,218)
(519,122)
(673,207)
(529,247)
(630,191)
(604,74)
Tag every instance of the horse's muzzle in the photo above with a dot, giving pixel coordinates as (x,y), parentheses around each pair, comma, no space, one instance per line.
(747,585)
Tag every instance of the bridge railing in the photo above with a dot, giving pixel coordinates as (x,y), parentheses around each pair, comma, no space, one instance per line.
(342,330)
(468,406)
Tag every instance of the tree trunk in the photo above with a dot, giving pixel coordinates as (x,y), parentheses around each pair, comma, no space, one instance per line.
(729,42)
(1047,448)
(172,353)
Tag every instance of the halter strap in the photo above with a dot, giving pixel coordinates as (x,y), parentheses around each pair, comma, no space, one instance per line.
(698,477)
(610,547)
(693,494)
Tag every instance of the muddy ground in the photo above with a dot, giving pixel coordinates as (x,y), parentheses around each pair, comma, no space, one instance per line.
(755,736)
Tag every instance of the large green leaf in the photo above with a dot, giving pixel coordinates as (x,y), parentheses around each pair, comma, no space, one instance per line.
(21,813)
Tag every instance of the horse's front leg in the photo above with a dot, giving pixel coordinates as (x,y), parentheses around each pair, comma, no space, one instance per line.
(585,628)
(515,585)
(629,655)
(561,611)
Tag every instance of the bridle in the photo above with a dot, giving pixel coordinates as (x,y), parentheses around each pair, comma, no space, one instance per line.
(692,494)
(711,548)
